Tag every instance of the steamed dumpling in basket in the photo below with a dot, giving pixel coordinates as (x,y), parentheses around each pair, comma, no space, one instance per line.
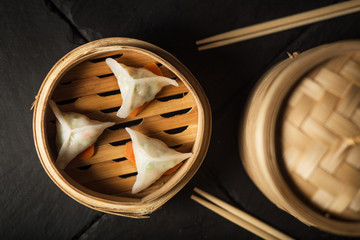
(152,158)
(74,133)
(137,85)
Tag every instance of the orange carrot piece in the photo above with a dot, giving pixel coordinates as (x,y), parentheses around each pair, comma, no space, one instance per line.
(136,111)
(171,170)
(152,67)
(129,154)
(87,153)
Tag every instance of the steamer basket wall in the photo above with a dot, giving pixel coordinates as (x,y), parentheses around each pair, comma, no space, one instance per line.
(299,140)
(81,82)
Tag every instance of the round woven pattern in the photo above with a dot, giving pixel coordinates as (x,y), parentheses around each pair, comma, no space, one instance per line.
(321,136)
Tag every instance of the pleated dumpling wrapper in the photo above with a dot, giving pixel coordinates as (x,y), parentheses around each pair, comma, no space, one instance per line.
(137,85)
(75,132)
(152,158)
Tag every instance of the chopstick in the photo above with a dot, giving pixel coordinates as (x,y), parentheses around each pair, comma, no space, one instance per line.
(238,217)
(280,24)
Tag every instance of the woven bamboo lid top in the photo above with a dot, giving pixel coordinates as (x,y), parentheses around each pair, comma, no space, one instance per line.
(321,137)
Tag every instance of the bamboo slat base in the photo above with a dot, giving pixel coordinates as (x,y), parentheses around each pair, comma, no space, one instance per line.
(82,82)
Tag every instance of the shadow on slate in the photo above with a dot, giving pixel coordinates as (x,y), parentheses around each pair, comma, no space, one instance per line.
(38,33)
(176,25)
(31,205)
(227,74)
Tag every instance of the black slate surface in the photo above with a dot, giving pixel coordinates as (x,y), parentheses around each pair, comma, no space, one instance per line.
(35,34)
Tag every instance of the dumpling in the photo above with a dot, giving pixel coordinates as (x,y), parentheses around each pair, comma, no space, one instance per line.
(74,133)
(153,158)
(137,85)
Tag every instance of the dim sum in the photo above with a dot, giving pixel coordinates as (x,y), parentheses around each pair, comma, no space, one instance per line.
(74,133)
(137,85)
(153,158)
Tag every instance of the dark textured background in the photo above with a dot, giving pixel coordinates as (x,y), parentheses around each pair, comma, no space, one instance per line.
(35,34)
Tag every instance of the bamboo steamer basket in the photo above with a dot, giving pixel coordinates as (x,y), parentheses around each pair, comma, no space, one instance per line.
(82,82)
(299,140)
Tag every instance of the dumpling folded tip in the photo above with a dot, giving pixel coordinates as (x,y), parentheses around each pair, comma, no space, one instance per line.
(130,131)
(74,136)
(109,60)
(135,191)
(175,83)
(121,114)
(59,164)
(153,160)
(53,106)
(51,102)
(137,85)
(109,124)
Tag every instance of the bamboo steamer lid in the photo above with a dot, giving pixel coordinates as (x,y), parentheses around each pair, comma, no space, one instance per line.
(82,82)
(321,136)
(300,140)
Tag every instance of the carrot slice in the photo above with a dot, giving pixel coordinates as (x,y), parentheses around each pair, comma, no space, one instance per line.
(171,170)
(136,111)
(152,67)
(87,153)
(129,154)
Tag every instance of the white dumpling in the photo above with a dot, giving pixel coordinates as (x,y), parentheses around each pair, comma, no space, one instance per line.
(153,158)
(137,85)
(75,132)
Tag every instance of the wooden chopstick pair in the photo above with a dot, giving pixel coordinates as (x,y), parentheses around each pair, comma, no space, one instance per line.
(238,217)
(280,24)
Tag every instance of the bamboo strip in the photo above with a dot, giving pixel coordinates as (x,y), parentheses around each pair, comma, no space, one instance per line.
(348,105)
(105,153)
(233,218)
(88,69)
(86,86)
(280,24)
(352,71)
(343,200)
(106,169)
(239,217)
(353,157)
(322,109)
(333,82)
(152,128)
(315,130)
(101,171)
(312,89)
(154,108)
(94,85)
(95,102)
(341,125)
(122,186)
